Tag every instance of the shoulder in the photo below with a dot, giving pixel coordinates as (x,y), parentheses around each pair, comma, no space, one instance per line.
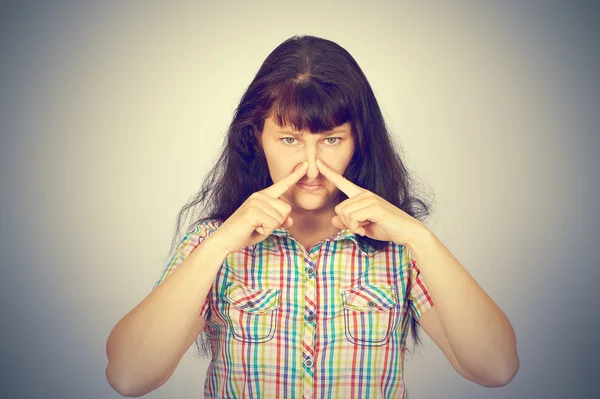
(197,233)
(398,253)
(205,226)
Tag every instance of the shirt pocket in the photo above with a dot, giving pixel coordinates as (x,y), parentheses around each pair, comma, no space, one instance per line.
(371,313)
(252,313)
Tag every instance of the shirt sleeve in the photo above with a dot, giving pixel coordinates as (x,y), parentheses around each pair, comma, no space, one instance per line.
(186,246)
(419,297)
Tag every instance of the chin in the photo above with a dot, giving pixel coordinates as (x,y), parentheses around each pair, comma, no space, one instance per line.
(309,204)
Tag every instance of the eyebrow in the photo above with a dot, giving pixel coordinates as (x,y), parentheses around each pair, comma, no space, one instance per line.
(334,131)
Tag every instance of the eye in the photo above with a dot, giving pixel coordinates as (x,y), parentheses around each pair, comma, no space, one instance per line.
(286,142)
(335,142)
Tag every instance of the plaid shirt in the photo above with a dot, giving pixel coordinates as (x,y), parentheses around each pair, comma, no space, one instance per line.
(329,322)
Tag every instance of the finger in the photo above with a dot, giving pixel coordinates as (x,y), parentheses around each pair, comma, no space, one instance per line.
(277,189)
(358,217)
(270,210)
(350,212)
(280,206)
(338,209)
(352,222)
(342,210)
(345,185)
(265,223)
(283,207)
(288,222)
(337,222)
(344,220)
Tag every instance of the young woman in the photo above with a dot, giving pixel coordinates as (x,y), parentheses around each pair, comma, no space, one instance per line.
(307,269)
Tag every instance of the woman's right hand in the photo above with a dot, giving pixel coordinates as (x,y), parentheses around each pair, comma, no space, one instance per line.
(260,214)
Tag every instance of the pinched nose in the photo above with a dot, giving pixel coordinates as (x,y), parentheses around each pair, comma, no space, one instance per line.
(298,166)
(312,173)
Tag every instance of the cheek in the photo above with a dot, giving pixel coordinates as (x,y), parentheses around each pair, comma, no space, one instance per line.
(336,163)
(338,158)
(278,168)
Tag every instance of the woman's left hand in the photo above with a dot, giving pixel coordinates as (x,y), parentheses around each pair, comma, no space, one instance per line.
(366,213)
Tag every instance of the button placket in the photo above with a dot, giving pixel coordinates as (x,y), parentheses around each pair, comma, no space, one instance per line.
(310,309)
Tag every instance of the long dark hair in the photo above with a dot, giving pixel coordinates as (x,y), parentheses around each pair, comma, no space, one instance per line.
(313,84)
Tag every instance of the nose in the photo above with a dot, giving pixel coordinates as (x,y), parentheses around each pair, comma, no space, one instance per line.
(312,173)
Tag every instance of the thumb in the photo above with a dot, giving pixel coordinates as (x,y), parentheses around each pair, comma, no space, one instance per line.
(288,222)
(337,222)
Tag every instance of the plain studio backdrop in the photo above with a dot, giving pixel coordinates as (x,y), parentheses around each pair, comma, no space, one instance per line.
(111,114)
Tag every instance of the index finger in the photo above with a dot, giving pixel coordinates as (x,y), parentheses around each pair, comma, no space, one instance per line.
(277,189)
(345,185)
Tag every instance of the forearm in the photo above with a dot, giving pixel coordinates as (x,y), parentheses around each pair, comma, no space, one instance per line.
(480,334)
(147,343)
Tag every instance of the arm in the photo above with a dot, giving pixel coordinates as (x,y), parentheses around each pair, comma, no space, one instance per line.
(147,344)
(478,332)
(430,323)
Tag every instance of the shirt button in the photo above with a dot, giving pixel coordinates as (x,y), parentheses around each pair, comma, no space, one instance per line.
(310,271)
(308,363)
(371,304)
(250,304)
(310,318)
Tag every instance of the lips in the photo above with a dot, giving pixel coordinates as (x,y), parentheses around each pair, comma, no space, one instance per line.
(311,185)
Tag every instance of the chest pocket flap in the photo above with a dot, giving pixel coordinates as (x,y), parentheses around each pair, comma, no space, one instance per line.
(370,298)
(252,300)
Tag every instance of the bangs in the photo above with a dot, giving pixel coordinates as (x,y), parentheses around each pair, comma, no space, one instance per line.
(307,105)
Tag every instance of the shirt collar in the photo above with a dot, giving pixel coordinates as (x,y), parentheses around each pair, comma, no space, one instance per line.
(344,234)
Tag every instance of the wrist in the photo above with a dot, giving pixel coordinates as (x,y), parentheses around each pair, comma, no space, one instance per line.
(215,244)
(421,233)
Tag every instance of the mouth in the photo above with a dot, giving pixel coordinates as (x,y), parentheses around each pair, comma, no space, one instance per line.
(310,187)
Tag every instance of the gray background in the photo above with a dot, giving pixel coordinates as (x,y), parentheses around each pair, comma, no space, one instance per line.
(112,112)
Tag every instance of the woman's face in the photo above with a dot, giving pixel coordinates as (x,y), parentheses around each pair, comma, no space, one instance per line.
(284,150)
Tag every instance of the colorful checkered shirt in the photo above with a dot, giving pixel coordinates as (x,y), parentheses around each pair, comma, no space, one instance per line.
(287,322)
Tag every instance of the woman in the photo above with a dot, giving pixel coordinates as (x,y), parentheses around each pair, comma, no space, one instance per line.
(309,267)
